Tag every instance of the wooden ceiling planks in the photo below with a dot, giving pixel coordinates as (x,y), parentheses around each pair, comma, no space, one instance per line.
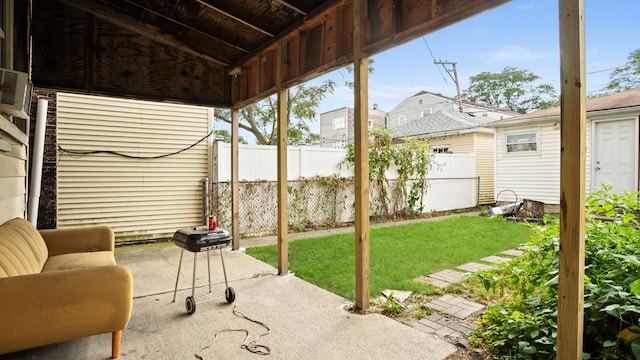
(184,50)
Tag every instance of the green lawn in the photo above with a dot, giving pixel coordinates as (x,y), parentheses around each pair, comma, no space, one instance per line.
(398,253)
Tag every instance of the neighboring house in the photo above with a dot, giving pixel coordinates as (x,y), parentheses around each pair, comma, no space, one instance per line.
(425,103)
(528,149)
(458,133)
(337,126)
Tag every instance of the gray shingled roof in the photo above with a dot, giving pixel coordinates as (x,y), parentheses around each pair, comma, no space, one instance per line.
(439,122)
(621,100)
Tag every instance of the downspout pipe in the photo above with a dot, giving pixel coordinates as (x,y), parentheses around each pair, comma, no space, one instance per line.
(36,165)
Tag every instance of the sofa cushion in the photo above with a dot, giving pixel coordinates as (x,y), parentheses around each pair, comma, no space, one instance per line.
(22,249)
(79,260)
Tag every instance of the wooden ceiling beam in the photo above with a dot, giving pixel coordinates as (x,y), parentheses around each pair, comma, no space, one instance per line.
(138,27)
(418,19)
(234,17)
(292,7)
(187,26)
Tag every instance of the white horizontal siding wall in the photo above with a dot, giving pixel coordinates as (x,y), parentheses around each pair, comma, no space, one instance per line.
(484,151)
(13,174)
(537,177)
(530,176)
(138,198)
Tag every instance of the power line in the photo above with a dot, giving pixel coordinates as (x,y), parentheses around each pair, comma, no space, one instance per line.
(434,60)
(599,71)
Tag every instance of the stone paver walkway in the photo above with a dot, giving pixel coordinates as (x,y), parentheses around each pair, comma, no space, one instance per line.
(473,267)
(451,310)
(444,278)
(443,326)
(495,259)
(513,252)
(455,306)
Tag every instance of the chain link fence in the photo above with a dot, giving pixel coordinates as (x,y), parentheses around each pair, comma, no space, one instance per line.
(316,202)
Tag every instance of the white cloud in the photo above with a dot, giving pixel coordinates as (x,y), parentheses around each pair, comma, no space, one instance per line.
(517,53)
(526,6)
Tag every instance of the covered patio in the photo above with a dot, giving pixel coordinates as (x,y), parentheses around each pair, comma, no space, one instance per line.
(305,322)
(229,54)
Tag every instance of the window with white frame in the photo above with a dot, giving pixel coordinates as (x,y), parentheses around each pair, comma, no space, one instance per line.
(522,142)
(441,149)
(370,123)
(338,123)
(425,112)
(402,119)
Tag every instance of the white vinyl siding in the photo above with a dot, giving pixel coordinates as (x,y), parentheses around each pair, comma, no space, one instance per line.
(138,198)
(537,177)
(13,177)
(485,166)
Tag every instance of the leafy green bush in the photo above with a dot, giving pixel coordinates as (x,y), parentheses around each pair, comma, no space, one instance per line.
(523,325)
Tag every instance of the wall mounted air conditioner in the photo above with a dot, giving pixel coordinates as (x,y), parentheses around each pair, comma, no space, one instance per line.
(15,93)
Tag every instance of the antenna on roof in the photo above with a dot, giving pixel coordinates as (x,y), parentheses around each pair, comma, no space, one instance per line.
(454,77)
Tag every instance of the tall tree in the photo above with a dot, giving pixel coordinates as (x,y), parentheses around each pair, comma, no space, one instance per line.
(513,88)
(303,101)
(259,118)
(224,136)
(626,76)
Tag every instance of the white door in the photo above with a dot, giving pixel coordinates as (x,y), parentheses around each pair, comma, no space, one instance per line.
(614,160)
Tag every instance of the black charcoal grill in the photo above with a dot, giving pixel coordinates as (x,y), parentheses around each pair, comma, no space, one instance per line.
(199,239)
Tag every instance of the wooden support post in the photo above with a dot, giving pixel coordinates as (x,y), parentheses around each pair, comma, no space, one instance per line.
(235,175)
(572,180)
(283,126)
(361,145)
(211,165)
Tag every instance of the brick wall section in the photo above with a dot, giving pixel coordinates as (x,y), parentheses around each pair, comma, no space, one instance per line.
(47,211)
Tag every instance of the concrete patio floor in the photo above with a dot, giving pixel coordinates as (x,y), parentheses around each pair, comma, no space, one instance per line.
(305,322)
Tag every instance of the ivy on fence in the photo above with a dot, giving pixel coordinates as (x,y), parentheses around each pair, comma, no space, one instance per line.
(328,201)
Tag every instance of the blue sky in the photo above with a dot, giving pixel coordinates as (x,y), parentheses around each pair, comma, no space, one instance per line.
(522,34)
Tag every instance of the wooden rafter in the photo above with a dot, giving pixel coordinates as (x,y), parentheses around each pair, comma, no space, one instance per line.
(187,26)
(138,27)
(237,18)
(388,25)
(291,6)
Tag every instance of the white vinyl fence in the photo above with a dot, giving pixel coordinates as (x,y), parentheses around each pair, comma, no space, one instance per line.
(260,162)
(453,184)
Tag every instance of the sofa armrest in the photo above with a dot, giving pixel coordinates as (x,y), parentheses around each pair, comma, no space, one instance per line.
(57,306)
(79,239)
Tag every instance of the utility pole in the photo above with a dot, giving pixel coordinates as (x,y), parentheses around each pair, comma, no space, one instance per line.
(454,78)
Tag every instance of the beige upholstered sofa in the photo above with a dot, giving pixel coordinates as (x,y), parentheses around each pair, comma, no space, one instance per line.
(58,285)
